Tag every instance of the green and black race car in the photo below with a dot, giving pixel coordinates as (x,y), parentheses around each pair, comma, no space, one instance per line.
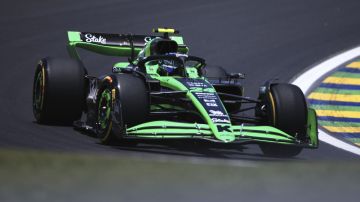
(161,92)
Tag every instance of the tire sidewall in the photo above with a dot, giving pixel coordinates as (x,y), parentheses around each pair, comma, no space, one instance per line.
(288,112)
(63,91)
(288,109)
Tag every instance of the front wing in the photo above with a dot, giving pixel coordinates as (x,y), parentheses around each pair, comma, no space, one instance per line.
(243,134)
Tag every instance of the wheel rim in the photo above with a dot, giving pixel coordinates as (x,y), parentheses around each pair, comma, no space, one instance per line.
(39,90)
(104,109)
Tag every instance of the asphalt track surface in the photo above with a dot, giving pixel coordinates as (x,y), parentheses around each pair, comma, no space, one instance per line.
(263,39)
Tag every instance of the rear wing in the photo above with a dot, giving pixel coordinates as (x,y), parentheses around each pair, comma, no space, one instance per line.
(121,45)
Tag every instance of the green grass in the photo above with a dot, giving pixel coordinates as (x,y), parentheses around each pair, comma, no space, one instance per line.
(337,91)
(339,123)
(346,75)
(38,176)
(354,140)
(336,107)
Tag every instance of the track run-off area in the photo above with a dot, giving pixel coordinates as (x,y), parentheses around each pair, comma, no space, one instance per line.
(336,98)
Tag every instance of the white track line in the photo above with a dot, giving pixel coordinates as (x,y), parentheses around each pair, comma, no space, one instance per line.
(308,78)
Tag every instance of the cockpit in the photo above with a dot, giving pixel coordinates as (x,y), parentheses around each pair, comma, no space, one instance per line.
(173,64)
(161,57)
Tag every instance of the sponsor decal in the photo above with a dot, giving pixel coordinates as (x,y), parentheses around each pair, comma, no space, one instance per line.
(211,104)
(93,39)
(223,128)
(220,120)
(206,96)
(217,113)
(193,83)
(196,84)
(209,100)
(116,39)
(206,100)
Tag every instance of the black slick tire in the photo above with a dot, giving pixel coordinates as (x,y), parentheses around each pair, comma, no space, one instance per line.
(288,112)
(58,91)
(133,102)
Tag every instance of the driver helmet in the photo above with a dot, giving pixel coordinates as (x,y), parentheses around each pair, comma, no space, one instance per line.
(171,65)
(168,66)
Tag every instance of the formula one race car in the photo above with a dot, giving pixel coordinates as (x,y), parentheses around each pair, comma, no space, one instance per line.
(161,92)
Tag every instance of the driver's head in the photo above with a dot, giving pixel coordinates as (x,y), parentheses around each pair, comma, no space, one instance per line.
(169,66)
(172,65)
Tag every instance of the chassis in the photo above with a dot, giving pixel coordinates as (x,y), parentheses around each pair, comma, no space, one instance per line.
(138,100)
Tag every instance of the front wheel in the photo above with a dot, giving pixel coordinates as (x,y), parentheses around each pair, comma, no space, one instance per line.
(104,116)
(123,102)
(287,111)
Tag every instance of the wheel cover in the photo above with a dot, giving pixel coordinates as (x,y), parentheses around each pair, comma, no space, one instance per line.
(104,109)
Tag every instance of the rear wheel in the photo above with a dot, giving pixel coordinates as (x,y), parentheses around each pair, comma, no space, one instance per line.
(288,112)
(58,91)
(132,103)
